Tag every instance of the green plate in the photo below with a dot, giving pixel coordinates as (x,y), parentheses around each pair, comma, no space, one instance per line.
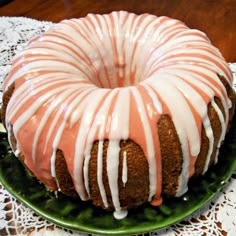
(82,216)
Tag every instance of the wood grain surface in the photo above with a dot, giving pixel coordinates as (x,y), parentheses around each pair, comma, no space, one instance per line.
(217,18)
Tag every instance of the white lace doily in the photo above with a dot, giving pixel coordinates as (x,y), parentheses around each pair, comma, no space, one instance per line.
(217,218)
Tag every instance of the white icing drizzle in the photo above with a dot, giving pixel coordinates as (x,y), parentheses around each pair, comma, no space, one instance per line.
(121,214)
(17,152)
(53,164)
(81,149)
(124,169)
(84,79)
(100,174)
(112,172)
(210,136)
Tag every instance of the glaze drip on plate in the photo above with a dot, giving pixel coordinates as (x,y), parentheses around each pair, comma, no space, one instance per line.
(111,77)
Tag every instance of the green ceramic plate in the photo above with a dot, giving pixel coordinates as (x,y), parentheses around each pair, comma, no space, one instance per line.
(82,216)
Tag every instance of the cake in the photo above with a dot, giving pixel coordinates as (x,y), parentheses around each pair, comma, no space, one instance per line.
(120,109)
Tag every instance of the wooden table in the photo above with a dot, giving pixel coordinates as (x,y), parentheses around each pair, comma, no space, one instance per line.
(214,17)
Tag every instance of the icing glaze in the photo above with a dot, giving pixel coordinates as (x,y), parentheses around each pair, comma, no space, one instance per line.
(124,169)
(111,77)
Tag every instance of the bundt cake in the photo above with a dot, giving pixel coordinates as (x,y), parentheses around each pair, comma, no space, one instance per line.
(118,108)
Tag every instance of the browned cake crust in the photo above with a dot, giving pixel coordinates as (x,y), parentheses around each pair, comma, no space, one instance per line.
(136,190)
(5,99)
(231,95)
(171,155)
(64,179)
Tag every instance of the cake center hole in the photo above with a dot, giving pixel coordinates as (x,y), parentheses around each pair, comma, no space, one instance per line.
(119,69)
